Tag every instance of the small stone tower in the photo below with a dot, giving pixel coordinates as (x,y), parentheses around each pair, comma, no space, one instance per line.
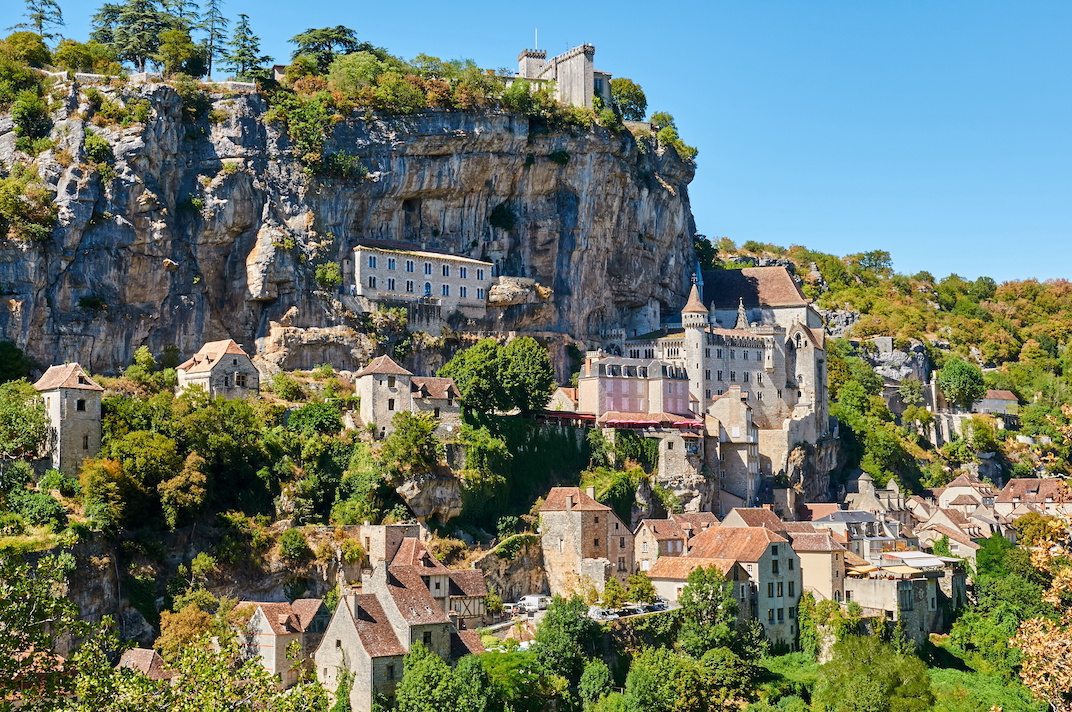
(694,320)
(73,402)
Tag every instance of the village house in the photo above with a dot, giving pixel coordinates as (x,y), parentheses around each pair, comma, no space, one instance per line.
(669,576)
(411,598)
(274,627)
(73,405)
(996,402)
(584,542)
(888,501)
(386,389)
(654,538)
(1044,496)
(822,564)
(563,400)
(222,369)
(692,523)
(773,572)
(865,534)
(146,661)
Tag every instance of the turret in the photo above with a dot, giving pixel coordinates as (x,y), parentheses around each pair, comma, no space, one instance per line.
(694,319)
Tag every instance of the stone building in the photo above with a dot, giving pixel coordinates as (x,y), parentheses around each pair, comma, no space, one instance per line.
(1023,495)
(223,369)
(631,385)
(997,402)
(736,458)
(762,335)
(386,389)
(385,276)
(73,403)
(670,575)
(584,542)
(408,599)
(822,564)
(275,626)
(773,571)
(576,80)
(655,538)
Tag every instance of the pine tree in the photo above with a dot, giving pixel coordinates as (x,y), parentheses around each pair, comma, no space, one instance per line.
(42,16)
(215,26)
(244,57)
(132,29)
(185,13)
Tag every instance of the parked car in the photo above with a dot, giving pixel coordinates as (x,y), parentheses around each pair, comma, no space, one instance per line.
(601,614)
(511,609)
(532,603)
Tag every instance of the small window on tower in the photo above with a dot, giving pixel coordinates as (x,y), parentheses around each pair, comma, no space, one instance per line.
(85,442)
(80,404)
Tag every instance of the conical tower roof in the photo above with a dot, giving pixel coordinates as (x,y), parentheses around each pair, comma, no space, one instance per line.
(695,304)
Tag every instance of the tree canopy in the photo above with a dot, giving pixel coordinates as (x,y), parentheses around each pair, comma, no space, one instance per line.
(629,98)
(961,382)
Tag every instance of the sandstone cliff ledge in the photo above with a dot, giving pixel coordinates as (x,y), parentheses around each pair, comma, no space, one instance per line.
(210,229)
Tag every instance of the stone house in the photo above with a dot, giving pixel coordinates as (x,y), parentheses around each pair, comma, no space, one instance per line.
(670,575)
(822,564)
(584,542)
(146,661)
(563,400)
(888,501)
(410,598)
(453,283)
(576,81)
(773,572)
(73,404)
(381,542)
(386,389)
(996,402)
(736,459)
(655,538)
(1022,495)
(274,627)
(865,534)
(692,523)
(754,517)
(222,369)
(631,385)
(910,598)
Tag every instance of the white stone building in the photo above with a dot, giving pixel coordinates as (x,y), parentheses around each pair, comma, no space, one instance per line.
(396,276)
(386,389)
(222,368)
(73,403)
(576,80)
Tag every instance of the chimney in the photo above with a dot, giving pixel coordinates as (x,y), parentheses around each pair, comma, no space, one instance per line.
(591,492)
(569,502)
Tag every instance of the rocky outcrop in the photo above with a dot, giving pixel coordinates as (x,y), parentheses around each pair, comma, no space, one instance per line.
(516,575)
(839,321)
(432,495)
(896,364)
(211,228)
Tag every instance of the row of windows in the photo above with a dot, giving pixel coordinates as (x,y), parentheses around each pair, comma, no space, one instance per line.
(392,285)
(781,613)
(463,272)
(772,588)
(774,562)
(746,376)
(621,542)
(733,354)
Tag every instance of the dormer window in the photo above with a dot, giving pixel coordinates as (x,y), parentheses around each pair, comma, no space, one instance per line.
(234,362)
(83,381)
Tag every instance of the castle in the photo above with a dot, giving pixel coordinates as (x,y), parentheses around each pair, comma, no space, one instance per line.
(576,79)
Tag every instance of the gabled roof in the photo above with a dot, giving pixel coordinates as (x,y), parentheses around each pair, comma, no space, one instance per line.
(430,387)
(695,304)
(468,582)
(815,510)
(757,286)
(411,597)
(557,500)
(973,482)
(280,617)
(383,365)
(678,568)
(413,552)
(801,528)
(465,642)
(954,534)
(69,375)
(1032,490)
(962,499)
(662,529)
(822,541)
(305,609)
(210,354)
(737,543)
(372,625)
(1001,395)
(695,521)
(847,516)
(754,517)
(146,661)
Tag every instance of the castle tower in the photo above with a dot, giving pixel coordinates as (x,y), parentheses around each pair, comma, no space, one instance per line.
(73,403)
(694,319)
(530,63)
(742,316)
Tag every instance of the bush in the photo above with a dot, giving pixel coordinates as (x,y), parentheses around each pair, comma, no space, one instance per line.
(502,217)
(30,114)
(27,209)
(559,157)
(286,387)
(98,150)
(56,480)
(343,165)
(328,275)
(11,524)
(38,509)
(293,547)
(352,553)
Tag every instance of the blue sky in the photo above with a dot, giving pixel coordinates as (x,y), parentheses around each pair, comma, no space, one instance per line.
(939,131)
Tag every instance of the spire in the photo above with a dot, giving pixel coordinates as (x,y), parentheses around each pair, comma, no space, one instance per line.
(742,317)
(695,304)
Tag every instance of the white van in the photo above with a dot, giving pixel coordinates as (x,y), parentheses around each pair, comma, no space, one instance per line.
(532,603)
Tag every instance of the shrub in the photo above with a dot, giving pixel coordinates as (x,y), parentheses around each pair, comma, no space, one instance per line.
(328,275)
(92,303)
(343,165)
(38,509)
(11,524)
(98,150)
(286,387)
(352,553)
(217,116)
(559,157)
(30,114)
(502,217)
(293,547)
(27,209)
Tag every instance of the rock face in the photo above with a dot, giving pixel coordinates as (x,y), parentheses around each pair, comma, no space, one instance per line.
(210,229)
(517,576)
(898,364)
(839,321)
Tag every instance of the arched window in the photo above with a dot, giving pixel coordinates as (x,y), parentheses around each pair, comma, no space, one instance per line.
(427,289)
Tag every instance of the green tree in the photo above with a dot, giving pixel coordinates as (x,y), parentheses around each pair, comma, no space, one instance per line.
(527,375)
(476,692)
(183,495)
(708,611)
(629,97)
(24,424)
(641,589)
(476,373)
(244,59)
(28,48)
(412,448)
(42,16)
(313,418)
(961,382)
(132,28)
(706,252)
(867,675)
(176,51)
(911,391)
(428,684)
(214,25)
(564,637)
(86,57)
(293,547)
(595,683)
(613,594)
(324,44)
(102,484)
(13,362)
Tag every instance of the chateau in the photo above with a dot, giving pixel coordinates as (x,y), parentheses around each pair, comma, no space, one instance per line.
(576,79)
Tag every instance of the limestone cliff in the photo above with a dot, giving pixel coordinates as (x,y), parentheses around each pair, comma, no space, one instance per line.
(211,229)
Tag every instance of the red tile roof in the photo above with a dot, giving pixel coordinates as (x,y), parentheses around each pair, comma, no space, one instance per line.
(820,541)
(288,618)
(429,387)
(754,517)
(411,597)
(69,375)
(305,609)
(372,625)
(1030,490)
(678,568)
(816,510)
(413,552)
(962,499)
(954,534)
(210,354)
(662,529)
(557,497)
(468,582)
(465,642)
(146,661)
(800,527)
(694,521)
(614,416)
(738,543)
(757,286)
(1001,395)
(383,365)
